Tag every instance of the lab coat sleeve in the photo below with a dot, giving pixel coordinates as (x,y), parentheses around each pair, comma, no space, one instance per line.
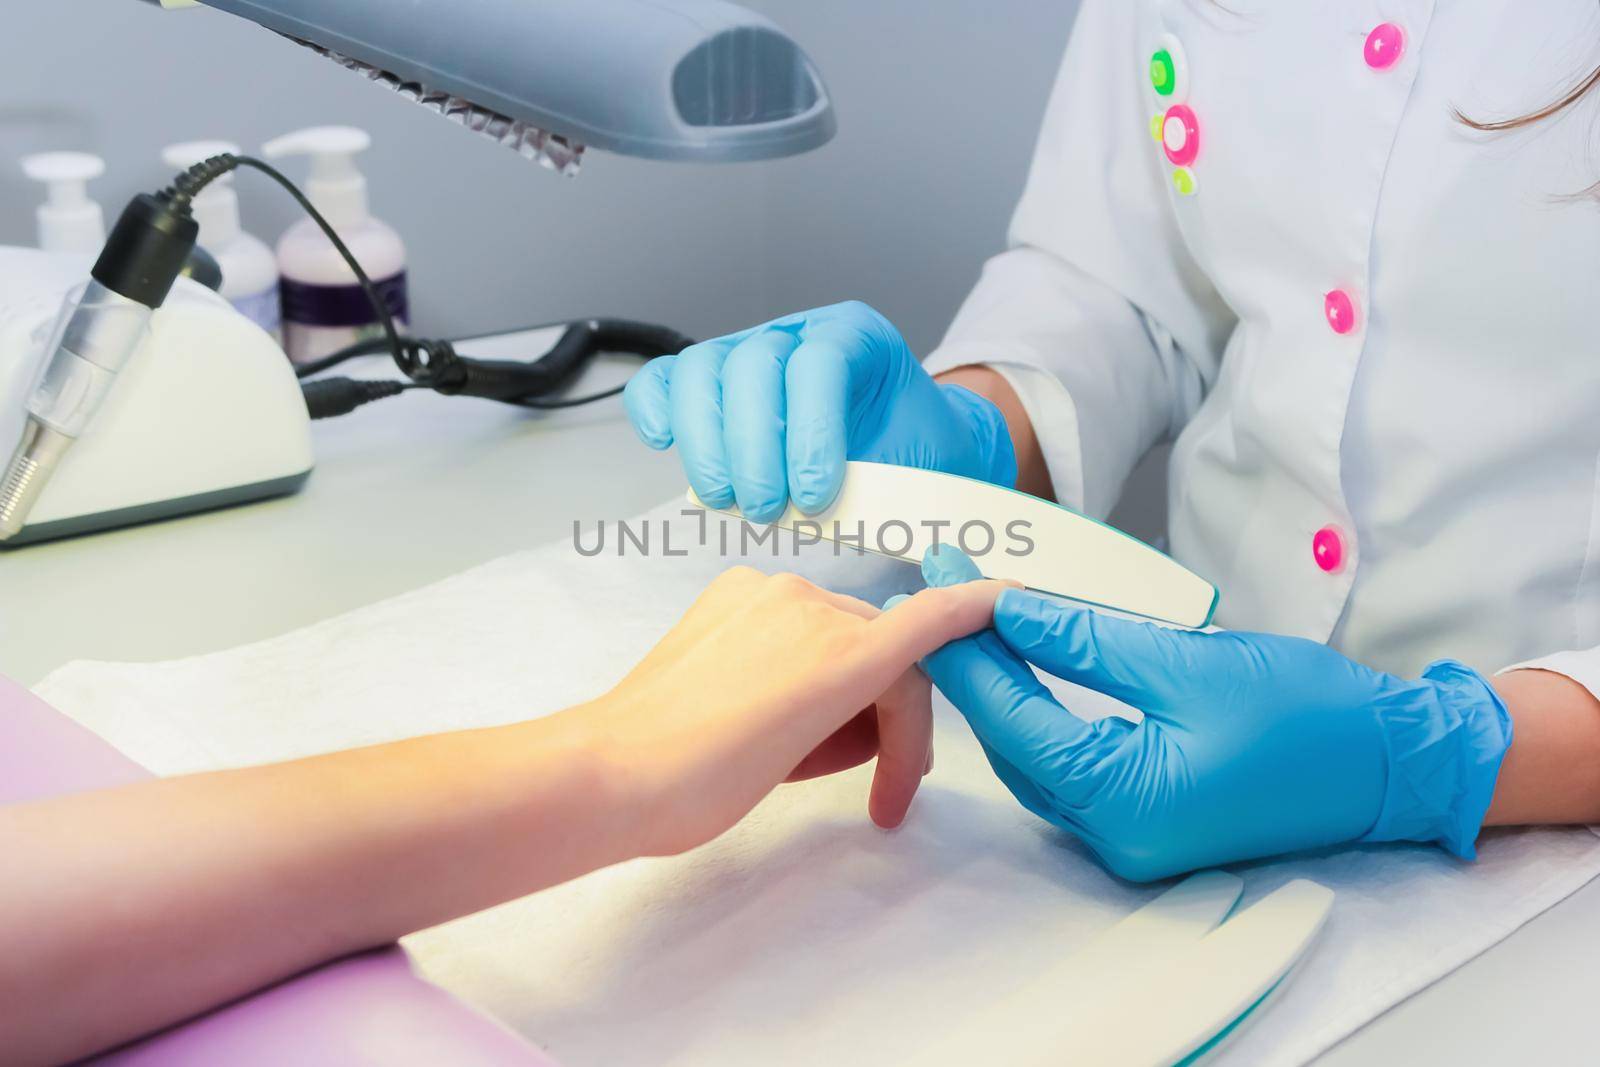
(1582,666)
(1096,313)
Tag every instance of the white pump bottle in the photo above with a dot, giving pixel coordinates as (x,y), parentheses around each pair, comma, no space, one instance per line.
(249,269)
(68,220)
(324,308)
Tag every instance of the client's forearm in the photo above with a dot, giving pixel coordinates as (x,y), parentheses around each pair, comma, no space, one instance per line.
(1551,773)
(1033,476)
(128,909)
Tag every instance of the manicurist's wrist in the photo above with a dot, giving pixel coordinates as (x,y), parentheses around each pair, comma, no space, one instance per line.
(1031,473)
(1548,775)
(1447,735)
(995,451)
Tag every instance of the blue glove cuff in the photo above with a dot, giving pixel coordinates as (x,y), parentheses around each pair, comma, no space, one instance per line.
(1446,735)
(996,455)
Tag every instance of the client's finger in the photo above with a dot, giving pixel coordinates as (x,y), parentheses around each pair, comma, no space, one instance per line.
(850,745)
(931,619)
(905,739)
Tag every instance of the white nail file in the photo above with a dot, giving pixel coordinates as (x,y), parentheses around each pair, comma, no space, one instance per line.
(903,511)
(1162,985)
(1173,1011)
(1026,1027)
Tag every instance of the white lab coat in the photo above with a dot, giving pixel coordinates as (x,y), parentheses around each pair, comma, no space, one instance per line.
(1451,441)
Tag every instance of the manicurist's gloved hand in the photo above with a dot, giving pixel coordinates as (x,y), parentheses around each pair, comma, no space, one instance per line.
(1251,744)
(772,413)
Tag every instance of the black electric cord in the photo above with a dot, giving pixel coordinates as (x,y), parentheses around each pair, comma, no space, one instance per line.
(434,364)
(186,186)
(566,402)
(328,397)
(368,346)
(579,344)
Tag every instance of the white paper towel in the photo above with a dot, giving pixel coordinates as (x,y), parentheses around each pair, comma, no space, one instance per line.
(804,935)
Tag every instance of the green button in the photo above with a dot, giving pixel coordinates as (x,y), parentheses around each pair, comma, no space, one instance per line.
(1183,181)
(1162,73)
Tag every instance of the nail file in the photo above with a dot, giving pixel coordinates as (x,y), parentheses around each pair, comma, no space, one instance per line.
(1225,1037)
(902,511)
(1174,1010)
(1026,1026)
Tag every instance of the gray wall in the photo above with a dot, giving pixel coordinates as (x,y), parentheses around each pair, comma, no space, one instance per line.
(939,104)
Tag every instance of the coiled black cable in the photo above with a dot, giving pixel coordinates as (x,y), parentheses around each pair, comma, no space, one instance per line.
(527,384)
(435,364)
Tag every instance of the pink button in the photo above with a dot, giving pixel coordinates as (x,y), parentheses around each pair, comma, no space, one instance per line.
(1180,135)
(1384,47)
(1327,548)
(1340,308)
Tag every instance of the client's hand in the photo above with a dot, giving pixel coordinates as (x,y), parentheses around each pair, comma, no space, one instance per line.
(771,678)
(764,679)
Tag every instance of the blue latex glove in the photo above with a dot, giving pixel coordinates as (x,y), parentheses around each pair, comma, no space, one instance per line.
(775,411)
(1251,744)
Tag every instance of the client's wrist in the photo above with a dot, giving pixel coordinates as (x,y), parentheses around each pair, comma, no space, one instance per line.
(577,749)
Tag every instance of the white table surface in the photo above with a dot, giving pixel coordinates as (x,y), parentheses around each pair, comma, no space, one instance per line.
(416,488)
(405,491)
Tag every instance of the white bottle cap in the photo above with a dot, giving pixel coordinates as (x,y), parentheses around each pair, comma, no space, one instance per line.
(68,220)
(336,187)
(216,209)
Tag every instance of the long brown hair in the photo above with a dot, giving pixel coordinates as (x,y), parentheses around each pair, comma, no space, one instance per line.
(1580,89)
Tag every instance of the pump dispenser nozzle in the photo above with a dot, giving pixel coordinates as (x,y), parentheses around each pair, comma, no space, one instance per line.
(336,186)
(68,220)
